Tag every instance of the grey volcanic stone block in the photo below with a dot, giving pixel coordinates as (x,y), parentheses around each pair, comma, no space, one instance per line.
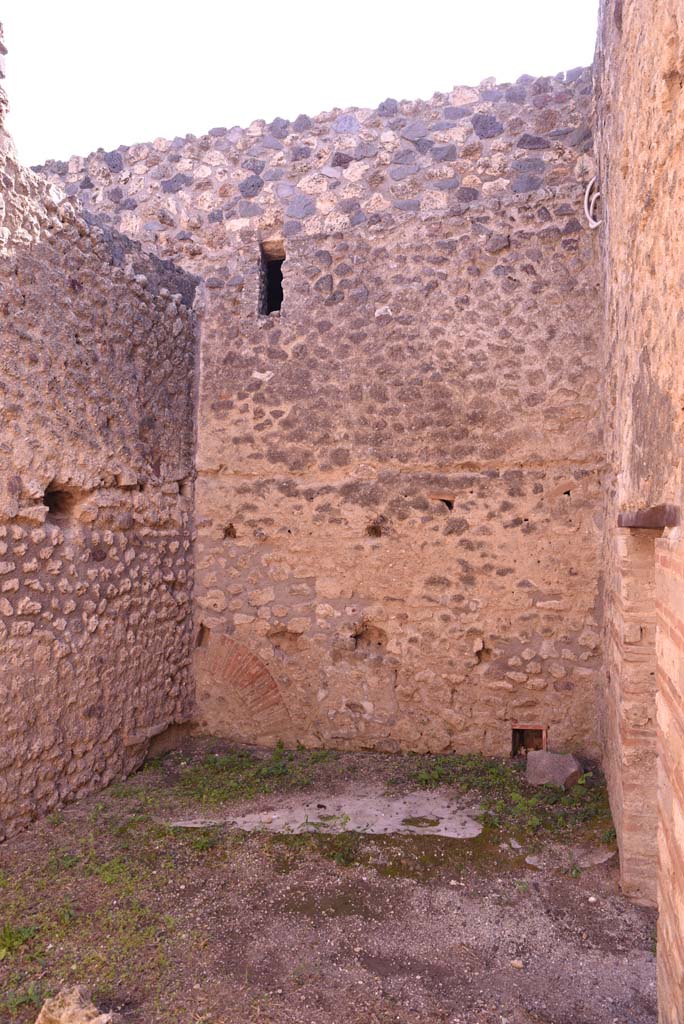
(545,768)
(279,127)
(486,126)
(446,152)
(388,108)
(301,206)
(176,183)
(526,183)
(415,130)
(527,141)
(496,243)
(252,164)
(346,124)
(251,186)
(529,164)
(456,113)
(114,161)
(302,123)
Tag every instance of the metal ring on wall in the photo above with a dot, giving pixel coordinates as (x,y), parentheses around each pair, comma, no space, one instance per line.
(591,197)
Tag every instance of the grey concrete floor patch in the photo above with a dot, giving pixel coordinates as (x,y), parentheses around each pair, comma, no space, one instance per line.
(372,811)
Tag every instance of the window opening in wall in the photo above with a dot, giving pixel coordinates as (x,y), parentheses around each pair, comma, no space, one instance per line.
(527,737)
(272,259)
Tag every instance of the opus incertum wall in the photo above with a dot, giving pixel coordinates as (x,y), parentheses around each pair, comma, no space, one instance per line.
(420,434)
(96,445)
(398,470)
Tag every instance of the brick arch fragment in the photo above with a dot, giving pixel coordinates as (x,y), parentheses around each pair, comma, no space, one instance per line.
(241,690)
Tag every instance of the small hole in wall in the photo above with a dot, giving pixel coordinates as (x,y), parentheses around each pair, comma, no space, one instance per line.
(284,640)
(272,259)
(185,487)
(60,502)
(229,532)
(368,637)
(484,654)
(447,501)
(203,634)
(566,494)
(375,528)
(524,738)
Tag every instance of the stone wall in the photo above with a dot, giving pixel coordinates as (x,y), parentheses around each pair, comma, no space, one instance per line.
(28,204)
(640,105)
(96,445)
(398,472)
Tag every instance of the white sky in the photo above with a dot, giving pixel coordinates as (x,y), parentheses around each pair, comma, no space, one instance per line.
(87,73)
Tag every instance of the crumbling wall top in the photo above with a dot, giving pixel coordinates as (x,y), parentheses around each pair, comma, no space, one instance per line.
(28,204)
(467,153)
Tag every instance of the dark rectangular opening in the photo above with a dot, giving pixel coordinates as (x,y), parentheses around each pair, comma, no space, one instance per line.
(272,282)
(526,738)
(60,502)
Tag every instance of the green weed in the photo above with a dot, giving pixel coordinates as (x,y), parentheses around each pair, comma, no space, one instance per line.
(204,839)
(16,998)
(61,860)
(12,937)
(240,774)
(507,801)
(343,848)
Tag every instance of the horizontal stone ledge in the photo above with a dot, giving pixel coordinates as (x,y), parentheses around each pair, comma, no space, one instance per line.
(657,517)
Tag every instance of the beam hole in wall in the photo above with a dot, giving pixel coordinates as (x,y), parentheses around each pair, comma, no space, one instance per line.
(374,529)
(368,637)
(446,500)
(484,654)
(229,532)
(203,634)
(284,640)
(60,502)
(527,737)
(272,259)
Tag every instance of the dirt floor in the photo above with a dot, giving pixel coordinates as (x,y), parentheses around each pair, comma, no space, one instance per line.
(212,925)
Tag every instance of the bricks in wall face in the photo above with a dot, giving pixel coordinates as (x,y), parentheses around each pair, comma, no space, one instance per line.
(228,667)
(629,710)
(640,115)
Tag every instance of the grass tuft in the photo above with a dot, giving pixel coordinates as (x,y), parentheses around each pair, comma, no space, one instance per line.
(508,802)
(241,774)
